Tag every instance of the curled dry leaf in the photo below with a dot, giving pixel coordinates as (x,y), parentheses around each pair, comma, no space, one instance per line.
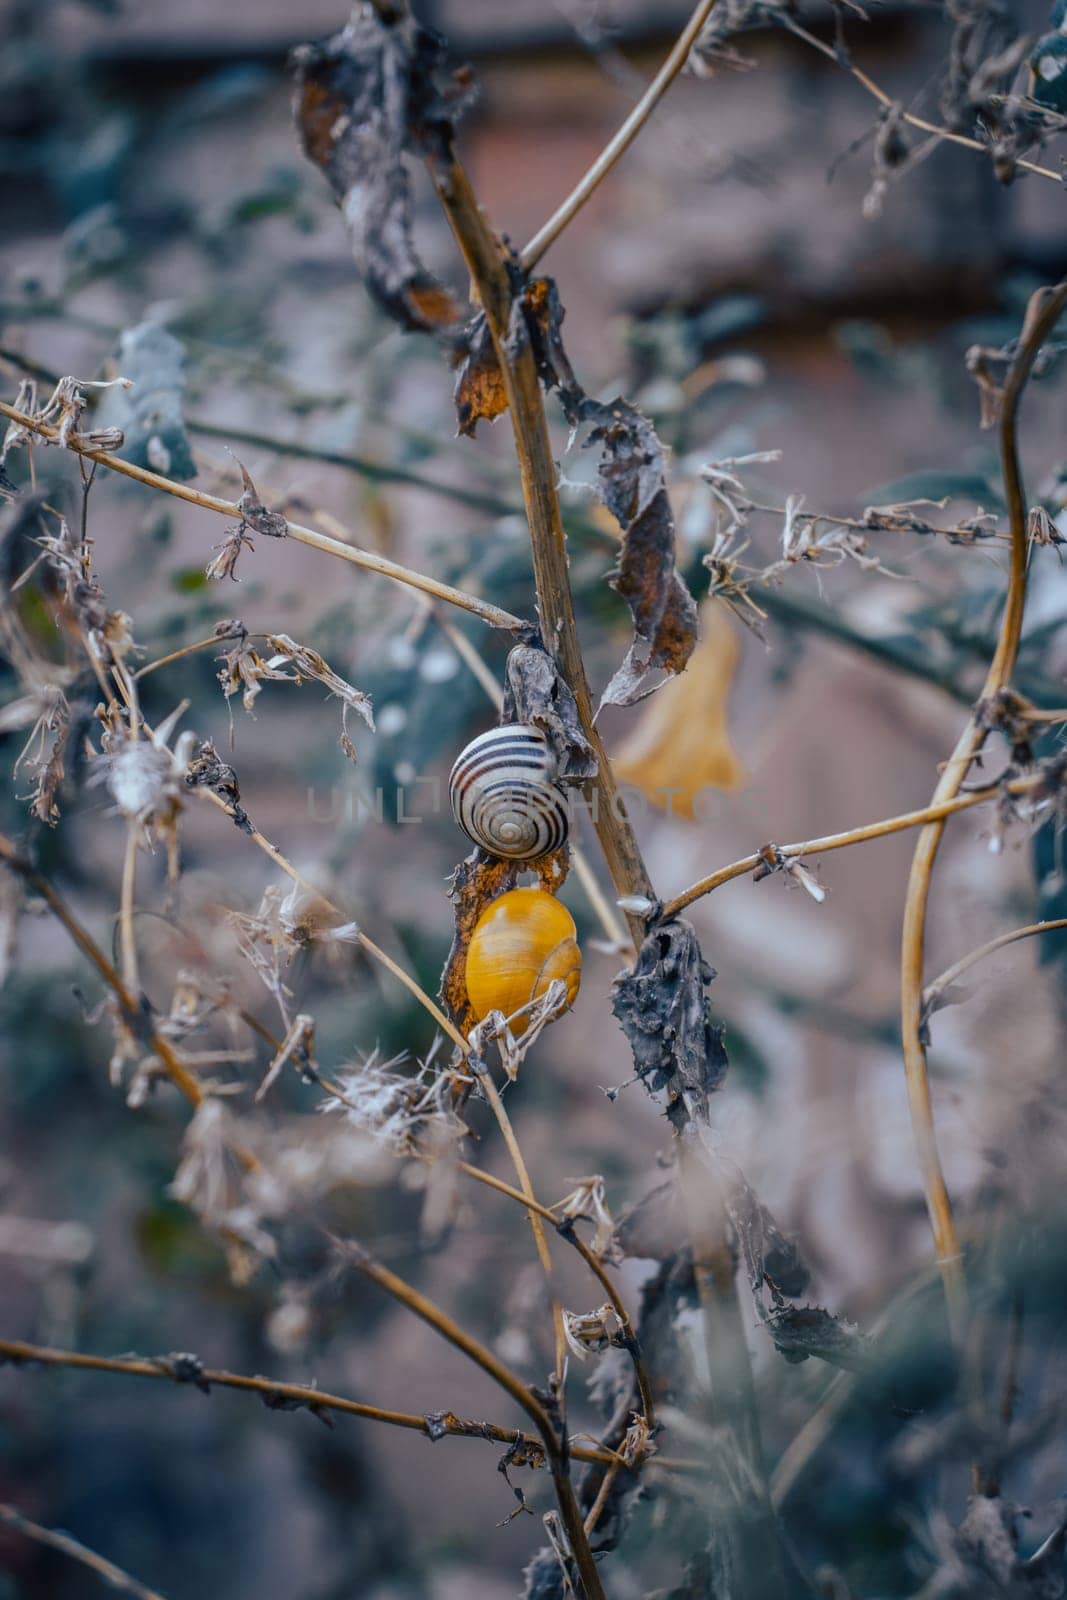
(586,1202)
(803,1331)
(244,668)
(537,695)
(207,771)
(772,1260)
(664,1012)
(479,391)
(270,523)
(634,488)
(778,1275)
(364,99)
(588,1333)
(681,745)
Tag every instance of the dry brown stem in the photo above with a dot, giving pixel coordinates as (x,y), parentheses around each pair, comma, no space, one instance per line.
(1041,317)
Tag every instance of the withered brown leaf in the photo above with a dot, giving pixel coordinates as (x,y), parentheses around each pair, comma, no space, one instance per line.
(365,98)
(663,1010)
(479,392)
(537,695)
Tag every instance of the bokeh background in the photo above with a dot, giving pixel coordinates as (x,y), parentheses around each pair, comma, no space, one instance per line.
(727,279)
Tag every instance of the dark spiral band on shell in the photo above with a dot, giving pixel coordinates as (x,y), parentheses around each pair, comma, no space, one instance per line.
(504,795)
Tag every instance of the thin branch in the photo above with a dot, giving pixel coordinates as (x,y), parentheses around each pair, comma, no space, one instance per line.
(300,1394)
(367,559)
(933,991)
(1041,317)
(179,655)
(623,139)
(375,471)
(127,936)
(944,133)
(771,855)
(595,1266)
(67,1545)
(438,1319)
(499,1110)
(887,101)
(134,1014)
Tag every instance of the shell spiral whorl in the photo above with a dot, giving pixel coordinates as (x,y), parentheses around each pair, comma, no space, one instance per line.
(504,794)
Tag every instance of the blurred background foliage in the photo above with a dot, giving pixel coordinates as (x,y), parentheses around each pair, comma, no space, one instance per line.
(726,280)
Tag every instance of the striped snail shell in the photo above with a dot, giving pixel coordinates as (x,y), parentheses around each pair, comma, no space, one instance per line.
(504,794)
(521,942)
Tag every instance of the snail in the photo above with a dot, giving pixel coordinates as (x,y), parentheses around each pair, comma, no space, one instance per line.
(504,794)
(523,940)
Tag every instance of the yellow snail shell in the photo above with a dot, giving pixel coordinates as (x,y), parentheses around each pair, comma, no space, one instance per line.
(504,794)
(520,943)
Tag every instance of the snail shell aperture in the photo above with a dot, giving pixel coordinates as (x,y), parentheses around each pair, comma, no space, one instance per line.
(521,942)
(504,794)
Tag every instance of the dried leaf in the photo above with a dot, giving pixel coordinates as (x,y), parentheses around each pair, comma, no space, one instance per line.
(207,771)
(537,694)
(771,1259)
(479,391)
(664,1012)
(364,99)
(634,489)
(803,1331)
(681,745)
(270,523)
(590,1332)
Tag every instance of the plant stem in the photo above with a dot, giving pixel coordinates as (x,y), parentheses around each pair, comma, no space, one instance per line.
(127,937)
(933,991)
(67,1545)
(533,1210)
(621,142)
(935,813)
(485,261)
(556,1446)
(135,1018)
(889,103)
(367,559)
(1041,316)
(595,1266)
(300,1393)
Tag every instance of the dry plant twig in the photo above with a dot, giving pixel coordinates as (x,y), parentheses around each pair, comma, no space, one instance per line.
(67,1545)
(619,144)
(773,856)
(1041,317)
(367,559)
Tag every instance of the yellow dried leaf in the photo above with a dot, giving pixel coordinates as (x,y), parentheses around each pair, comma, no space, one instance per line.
(681,744)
